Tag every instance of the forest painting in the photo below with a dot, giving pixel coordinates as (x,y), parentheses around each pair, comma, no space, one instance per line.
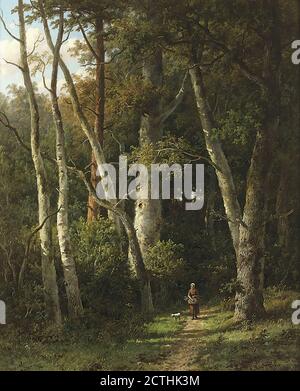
(149,185)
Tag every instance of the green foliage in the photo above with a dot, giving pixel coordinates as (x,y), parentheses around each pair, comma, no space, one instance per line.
(96,246)
(134,94)
(169,150)
(238,127)
(164,260)
(229,288)
(106,286)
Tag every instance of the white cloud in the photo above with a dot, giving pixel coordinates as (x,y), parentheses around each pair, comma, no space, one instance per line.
(9,51)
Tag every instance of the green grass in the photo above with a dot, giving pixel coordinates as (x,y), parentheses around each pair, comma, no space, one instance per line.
(221,343)
(270,344)
(87,352)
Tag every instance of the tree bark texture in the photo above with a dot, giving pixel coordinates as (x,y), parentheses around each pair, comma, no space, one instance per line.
(48,266)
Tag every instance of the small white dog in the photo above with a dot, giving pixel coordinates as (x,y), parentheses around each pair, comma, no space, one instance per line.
(176,316)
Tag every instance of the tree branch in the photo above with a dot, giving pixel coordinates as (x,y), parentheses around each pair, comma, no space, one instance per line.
(90,46)
(7,30)
(8,125)
(225,218)
(172,106)
(258,79)
(37,41)
(14,64)
(27,251)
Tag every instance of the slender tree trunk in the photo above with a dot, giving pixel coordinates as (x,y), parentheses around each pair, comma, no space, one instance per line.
(75,308)
(93,207)
(139,270)
(210,205)
(284,203)
(223,171)
(287,192)
(48,267)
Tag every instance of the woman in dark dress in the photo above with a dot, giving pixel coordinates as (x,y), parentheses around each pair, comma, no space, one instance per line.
(193,301)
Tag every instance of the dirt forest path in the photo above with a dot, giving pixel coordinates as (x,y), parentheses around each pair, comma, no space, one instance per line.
(186,347)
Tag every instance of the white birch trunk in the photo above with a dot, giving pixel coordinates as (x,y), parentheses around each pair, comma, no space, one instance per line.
(148,213)
(147,221)
(75,308)
(48,267)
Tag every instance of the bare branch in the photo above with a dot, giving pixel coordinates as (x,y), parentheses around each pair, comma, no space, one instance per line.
(278,216)
(8,125)
(212,62)
(14,64)
(121,145)
(67,36)
(225,218)
(90,46)
(175,102)
(115,55)
(7,30)
(91,110)
(27,251)
(36,43)
(104,203)
(44,79)
(194,157)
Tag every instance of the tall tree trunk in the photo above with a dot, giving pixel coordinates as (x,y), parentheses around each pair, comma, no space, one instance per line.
(287,195)
(248,233)
(48,267)
(148,216)
(250,262)
(250,265)
(210,205)
(217,156)
(284,203)
(75,308)
(148,212)
(93,207)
